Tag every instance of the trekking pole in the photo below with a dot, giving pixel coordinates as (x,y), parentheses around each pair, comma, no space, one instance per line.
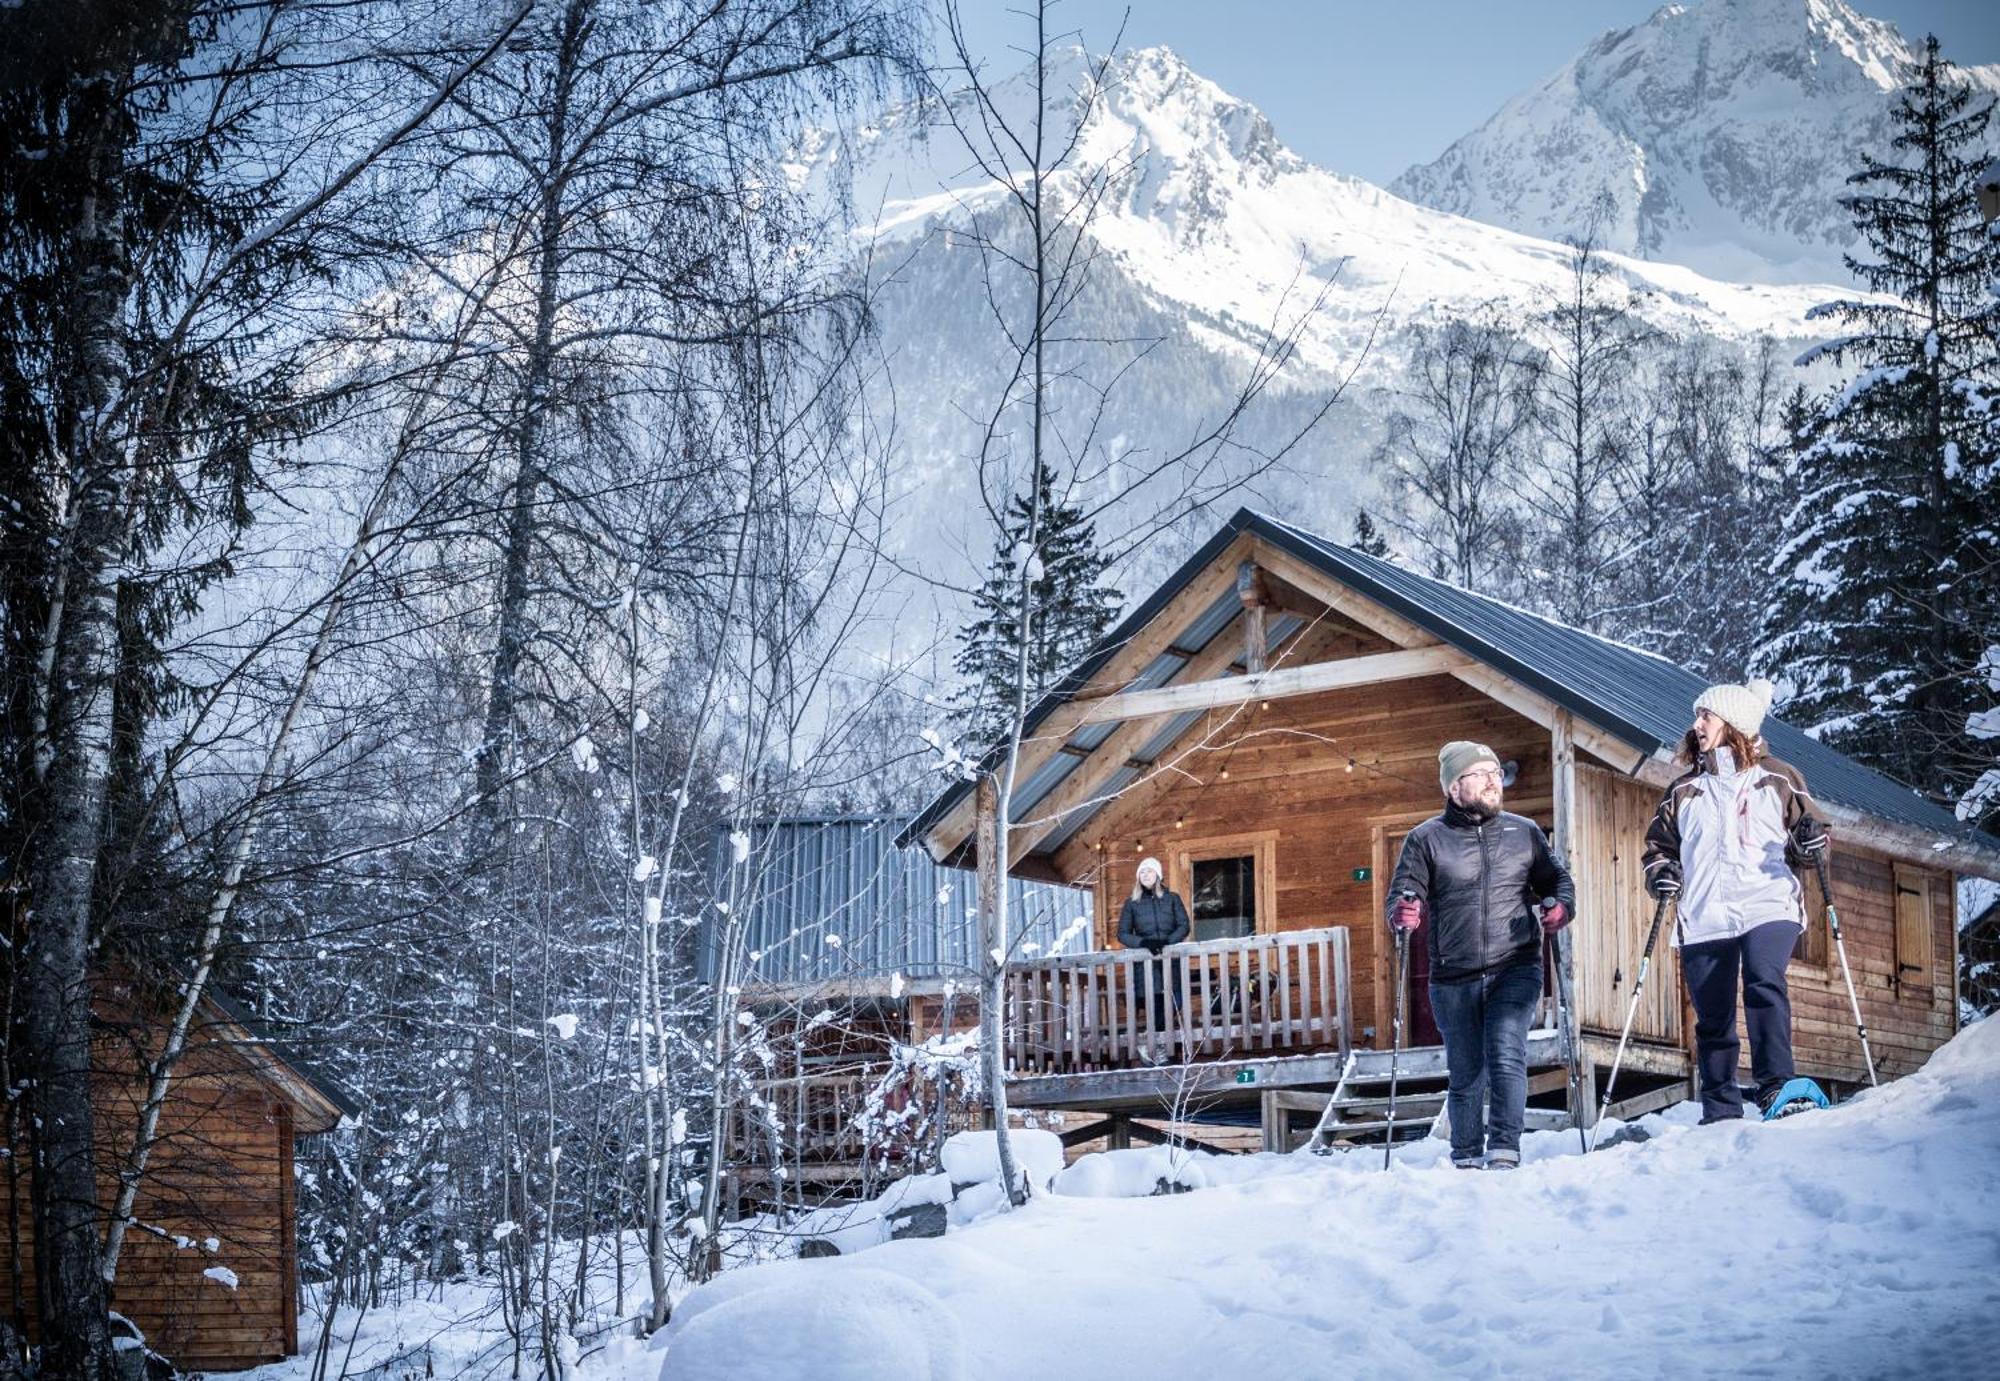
(1631,1011)
(1840,948)
(1566,1025)
(1396,1031)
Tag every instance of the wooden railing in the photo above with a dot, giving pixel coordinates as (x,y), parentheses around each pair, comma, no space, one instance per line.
(815,1112)
(1217,999)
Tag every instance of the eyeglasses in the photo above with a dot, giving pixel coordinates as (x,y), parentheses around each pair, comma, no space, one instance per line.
(1490,773)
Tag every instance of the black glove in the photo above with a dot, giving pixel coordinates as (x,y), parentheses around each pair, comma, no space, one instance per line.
(1809,837)
(1663,878)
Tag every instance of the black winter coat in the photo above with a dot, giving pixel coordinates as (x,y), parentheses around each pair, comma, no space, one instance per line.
(1153,922)
(1478,883)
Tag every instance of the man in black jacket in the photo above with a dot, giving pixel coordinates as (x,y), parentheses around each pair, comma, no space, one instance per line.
(1474,880)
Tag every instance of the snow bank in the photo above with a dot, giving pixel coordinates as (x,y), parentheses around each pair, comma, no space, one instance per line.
(1856,1242)
(974,1157)
(855,1324)
(1134,1173)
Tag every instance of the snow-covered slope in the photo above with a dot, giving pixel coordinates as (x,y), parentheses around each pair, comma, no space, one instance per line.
(1718,134)
(1858,1242)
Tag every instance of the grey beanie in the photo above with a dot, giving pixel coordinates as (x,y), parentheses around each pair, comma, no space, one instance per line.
(1457,758)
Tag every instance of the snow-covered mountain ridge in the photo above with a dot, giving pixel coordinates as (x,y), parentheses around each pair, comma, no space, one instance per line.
(1216,216)
(1717,134)
(1217,231)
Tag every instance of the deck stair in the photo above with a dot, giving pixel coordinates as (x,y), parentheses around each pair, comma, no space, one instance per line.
(1356,1111)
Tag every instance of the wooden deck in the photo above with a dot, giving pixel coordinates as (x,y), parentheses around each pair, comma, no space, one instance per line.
(1147,1089)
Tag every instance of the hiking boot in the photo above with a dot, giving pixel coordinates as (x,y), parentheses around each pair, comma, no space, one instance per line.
(1465,1163)
(1503,1160)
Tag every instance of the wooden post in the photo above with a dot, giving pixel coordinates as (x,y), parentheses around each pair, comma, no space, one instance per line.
(1562,751)
(1562,755)
(1250,589)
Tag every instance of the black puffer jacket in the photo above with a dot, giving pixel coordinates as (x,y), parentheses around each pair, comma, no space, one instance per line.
(1153,921)
(1478,883)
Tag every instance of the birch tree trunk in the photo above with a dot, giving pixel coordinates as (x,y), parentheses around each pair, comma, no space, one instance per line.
(56,1015)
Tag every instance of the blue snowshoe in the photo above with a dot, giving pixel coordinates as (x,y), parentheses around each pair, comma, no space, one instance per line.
(1797,1096)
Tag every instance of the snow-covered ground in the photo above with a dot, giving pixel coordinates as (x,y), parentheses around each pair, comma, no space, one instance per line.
(1862,1241)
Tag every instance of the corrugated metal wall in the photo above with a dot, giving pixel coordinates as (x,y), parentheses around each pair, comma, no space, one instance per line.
(836,899)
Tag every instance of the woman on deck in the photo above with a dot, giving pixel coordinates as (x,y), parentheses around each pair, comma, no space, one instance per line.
(1724,841)
(1151,919)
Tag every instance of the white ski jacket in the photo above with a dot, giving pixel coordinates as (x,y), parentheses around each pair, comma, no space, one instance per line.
(1731,831)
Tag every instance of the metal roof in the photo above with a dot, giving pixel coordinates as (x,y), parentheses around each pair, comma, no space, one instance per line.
(835,899)
(1632,694)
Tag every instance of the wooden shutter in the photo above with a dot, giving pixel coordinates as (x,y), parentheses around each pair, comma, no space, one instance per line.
(1913,926)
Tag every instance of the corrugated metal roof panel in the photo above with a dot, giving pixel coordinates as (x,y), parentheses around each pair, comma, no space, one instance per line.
(1640,697)
(888,909)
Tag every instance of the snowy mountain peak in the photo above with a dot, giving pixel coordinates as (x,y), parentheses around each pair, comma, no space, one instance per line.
(1717,135)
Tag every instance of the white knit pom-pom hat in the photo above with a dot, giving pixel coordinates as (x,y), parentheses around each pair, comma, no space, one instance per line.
(1743,706)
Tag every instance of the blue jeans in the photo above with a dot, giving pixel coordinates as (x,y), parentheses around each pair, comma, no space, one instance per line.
(1485,1025)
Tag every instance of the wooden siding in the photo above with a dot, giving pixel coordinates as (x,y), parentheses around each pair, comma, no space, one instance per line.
(222,1170)
(1614,912)
(1907,1020)
(1288,774)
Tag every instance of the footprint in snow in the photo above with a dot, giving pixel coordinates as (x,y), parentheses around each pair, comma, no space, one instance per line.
(1821,1201)
(1437,1311)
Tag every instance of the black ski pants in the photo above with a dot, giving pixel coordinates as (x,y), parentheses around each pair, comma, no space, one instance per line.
(1710,968)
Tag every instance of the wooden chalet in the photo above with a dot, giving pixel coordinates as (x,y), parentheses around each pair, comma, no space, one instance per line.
(1267,722)
(209,1268)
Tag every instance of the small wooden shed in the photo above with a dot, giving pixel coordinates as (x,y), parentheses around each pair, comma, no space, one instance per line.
(1267,722)
(209,1268)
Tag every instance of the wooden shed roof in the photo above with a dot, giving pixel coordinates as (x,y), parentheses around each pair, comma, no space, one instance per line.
(318,1102)
(1640,700)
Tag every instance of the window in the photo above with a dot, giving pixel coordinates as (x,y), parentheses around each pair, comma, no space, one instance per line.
(1229,882)
(1224,892)
(1913,926)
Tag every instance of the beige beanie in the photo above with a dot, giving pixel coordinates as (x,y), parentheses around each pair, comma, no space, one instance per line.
(1741,706)
(1457,758)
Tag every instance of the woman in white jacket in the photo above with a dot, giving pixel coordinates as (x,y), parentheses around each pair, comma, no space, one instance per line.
(1725,840)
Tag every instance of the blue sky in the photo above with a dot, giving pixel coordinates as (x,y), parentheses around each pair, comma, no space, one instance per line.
(1370,88)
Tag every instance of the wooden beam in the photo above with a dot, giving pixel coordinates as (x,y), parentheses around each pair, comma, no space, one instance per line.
(951,831)
(1341,599)
(1562,755)
(1312,679)
(1250,591)
(1087,779)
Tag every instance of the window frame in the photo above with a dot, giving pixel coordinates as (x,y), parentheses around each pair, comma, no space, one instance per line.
(1261,847)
